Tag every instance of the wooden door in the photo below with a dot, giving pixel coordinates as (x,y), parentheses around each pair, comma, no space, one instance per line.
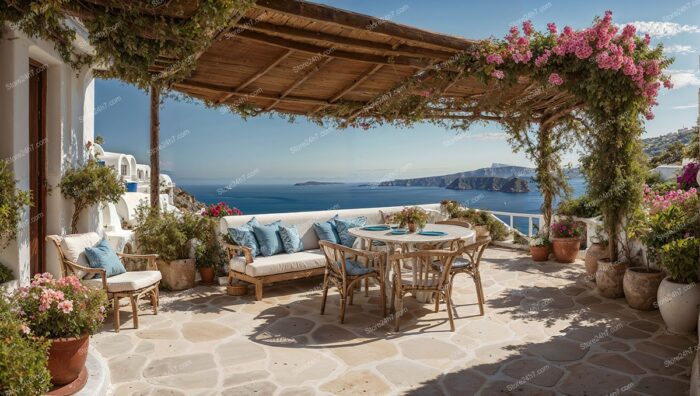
(37,165)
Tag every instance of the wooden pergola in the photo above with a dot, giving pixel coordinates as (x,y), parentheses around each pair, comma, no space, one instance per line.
(300,58)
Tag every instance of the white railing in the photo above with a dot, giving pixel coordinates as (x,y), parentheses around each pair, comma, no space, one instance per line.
(512,216)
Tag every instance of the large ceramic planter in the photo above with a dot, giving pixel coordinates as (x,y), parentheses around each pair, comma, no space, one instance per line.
(609,278)
(482,231)
(67,358)
(207,275)
(177,274)
(678,305)
(594,253)
(539,253)
(566,249)
(641,286)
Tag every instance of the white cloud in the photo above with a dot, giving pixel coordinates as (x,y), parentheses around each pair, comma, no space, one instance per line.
(685,107)
(679,49)
(684,78)
(664,29)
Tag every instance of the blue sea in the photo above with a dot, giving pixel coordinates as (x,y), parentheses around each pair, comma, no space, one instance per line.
(279,198)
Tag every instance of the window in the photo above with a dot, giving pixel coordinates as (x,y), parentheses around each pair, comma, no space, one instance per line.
(140,174)
(124,170)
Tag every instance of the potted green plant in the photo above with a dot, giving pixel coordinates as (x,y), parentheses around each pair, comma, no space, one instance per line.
(89,185)
(172,236)
(539,247)
(23,356)
(12,203)
(566,240)
(678,295)
(210,254)
(66,313)
(597,251)
(413,218)
(5,274)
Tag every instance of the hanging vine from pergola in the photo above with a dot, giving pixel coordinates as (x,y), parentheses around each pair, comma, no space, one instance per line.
(355,70)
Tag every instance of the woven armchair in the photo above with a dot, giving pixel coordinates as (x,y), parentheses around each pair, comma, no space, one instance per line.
(131,284)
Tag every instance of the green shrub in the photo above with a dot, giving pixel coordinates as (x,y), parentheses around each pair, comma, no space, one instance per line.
(12,203)
(210,253)
(23,357)
(5,274)
(498,230)
(680,259)
(582,206)
(169,234)
(89,185)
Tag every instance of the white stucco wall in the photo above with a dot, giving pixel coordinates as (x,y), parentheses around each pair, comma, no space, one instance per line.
(70,95)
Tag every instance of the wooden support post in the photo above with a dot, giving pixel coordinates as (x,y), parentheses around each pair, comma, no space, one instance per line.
(155,152)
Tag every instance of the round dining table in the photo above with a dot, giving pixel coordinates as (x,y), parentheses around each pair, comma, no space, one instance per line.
(409,241)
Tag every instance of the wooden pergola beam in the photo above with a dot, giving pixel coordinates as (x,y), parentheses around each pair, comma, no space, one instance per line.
(327,51)
(362,22)
(296,34)
(256,76)
(370,72)
(299,81)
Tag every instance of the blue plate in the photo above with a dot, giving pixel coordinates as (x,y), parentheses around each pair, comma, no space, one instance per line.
(432,233)
(376,228)
(399,231)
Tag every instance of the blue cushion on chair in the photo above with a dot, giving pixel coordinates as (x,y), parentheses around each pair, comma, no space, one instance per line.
(269,238)
(244,236)
(291,239)
(103,256)
(353,268)
(326,230)
(343,225)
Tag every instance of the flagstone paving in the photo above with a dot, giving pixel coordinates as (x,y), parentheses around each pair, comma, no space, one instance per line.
(546,331)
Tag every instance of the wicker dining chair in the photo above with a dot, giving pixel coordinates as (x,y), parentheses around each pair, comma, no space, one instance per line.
(468,263)
(346,268)
(426,277)
(131,284)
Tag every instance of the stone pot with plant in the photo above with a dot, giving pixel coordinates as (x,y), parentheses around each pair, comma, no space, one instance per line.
(89,185)
(210,254)
(173,237)
(678,297)
(414,218)
(566,240)
(597,251)
(66,313)
(540,247)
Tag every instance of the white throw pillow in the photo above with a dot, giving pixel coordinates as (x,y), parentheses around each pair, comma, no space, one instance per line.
(73,247)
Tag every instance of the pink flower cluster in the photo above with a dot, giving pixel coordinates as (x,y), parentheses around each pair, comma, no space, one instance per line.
(688,177)
(603,43)
(659,202)
(220,210)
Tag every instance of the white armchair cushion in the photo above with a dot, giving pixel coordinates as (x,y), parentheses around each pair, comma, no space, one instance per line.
(74,246)
(280,263)
(128,281)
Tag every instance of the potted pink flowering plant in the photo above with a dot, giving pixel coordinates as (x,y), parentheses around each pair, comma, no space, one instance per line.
(65,312)
(566,240)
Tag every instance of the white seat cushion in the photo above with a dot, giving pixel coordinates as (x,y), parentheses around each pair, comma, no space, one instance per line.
(74,246)
(127,281)
(280,263)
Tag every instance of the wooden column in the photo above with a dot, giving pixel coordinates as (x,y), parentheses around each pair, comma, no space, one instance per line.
(155,152)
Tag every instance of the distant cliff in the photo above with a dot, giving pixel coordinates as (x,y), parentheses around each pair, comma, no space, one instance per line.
(496,170)
(512,185)
(315,183)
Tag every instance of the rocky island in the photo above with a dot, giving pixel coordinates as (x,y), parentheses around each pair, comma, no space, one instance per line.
(509,185)
(315,183)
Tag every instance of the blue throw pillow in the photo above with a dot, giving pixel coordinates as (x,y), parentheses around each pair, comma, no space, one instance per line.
(326,230)
(343,225)
(269,238)
(291,239)
(103,256)
(353,268)
(244,236)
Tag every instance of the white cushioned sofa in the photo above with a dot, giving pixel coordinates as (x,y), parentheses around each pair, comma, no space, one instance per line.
(309,262)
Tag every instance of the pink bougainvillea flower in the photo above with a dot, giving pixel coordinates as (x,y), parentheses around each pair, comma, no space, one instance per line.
(552,27)
(668,84)
(494,59)
(527,27)
(498,74)
(555,79)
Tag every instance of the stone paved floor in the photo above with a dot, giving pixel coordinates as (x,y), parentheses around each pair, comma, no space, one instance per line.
(545,332)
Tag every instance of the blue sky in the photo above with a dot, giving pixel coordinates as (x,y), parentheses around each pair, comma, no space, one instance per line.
(202,145)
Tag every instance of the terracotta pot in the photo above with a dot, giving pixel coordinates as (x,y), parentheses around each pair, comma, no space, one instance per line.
(411,227)
(207,274)
(678,305)
(177,274)
(67,358)
(594,253)
(482,231)
(539,253)
(609,277)
(566,249)
(640,286)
